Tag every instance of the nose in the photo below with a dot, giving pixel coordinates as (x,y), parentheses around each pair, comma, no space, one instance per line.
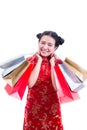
(45,46)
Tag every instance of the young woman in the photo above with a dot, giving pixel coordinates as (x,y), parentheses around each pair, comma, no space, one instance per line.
(42,110)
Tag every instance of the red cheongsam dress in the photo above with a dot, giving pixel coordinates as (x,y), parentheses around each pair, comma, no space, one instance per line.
(42,110)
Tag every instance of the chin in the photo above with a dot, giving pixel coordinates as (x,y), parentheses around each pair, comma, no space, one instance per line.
(45,55)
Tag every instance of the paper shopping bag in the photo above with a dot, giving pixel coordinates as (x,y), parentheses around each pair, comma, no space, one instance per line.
(80,72)
(64,92)
(19,88)
(73,81)
(15,75)
(10,65)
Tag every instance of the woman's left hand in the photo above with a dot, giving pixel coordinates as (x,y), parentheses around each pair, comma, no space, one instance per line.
(52,61)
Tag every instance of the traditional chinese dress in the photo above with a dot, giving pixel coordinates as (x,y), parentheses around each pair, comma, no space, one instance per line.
(42,110)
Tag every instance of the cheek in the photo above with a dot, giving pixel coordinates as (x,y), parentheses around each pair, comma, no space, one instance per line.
(52,49)
(39,46)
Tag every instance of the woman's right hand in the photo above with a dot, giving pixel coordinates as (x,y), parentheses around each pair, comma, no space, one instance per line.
(39,57)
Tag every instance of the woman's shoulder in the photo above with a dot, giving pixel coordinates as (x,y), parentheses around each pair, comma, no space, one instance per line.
(59,61)
(32,59)
(29,58)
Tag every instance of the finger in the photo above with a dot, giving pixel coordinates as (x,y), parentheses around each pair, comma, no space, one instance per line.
(52,54)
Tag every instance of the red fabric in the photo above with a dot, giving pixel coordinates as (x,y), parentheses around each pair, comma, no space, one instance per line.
(19,88)
(64,91)
(42,110)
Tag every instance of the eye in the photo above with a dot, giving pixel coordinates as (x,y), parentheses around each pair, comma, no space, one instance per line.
(50,44)
(42,42)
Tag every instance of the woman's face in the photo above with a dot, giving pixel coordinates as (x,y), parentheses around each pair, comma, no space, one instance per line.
(46,45)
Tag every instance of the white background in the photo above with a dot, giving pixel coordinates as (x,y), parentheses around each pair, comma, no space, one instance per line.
(20,21)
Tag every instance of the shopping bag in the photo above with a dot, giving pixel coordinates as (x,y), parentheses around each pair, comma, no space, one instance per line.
(80,72)
(18,90)
(73,81)
(10,65)
(64,92)
(15,75)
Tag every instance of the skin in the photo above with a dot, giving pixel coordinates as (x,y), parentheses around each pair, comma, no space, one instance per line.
(46,47)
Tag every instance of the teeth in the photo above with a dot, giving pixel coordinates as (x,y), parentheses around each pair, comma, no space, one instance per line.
(44,51)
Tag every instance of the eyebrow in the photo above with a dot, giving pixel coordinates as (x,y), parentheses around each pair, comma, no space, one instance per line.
(50,43)
(45,41)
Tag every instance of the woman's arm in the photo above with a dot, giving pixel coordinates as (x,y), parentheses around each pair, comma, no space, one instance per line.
(34,75)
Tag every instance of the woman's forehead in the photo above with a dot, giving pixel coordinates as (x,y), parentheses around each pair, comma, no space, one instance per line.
(47,38)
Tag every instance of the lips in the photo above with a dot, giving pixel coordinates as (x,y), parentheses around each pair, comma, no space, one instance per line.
(44,51)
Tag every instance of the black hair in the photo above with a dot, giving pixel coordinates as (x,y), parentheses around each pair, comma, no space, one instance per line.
(58,39)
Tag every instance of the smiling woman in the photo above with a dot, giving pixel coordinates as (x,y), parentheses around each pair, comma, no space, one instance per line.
(49,42)
(46,45)
(19,21)
(42,110)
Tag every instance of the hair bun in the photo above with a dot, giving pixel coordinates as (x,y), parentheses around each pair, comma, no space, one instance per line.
(39,35)
(61,40)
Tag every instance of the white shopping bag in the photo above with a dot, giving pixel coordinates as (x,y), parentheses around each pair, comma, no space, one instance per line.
(73,81)
(10,65)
